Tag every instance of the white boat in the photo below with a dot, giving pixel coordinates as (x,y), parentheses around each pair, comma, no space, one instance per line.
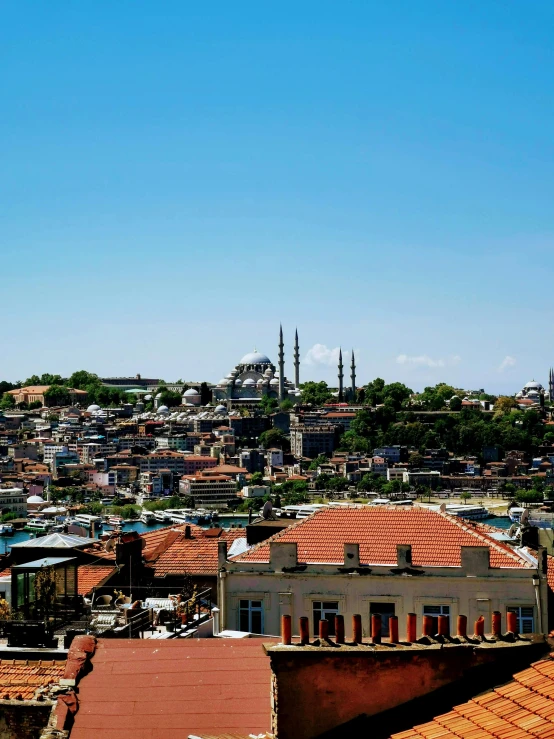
(37,525)
(515,514)
(6,529)
(147,517)
(162,517)
(86,520)
(115,521)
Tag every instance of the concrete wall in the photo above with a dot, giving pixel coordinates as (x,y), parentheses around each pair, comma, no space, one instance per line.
(316,690)
(288,588)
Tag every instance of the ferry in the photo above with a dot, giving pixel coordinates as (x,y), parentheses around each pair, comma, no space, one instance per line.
(162,517)
(515,514)
(37,524)
(85,520)
(178,515)
(115,521)
(147,518)
(471,512)
(6,529)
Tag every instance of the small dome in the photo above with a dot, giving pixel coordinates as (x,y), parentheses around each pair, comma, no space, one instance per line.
(222,382)
(533,385)
(275,381)
(93,408)
(249,381)
(255,358)
(35,499)
(163,409)
(220,409)
(260,381)
(190,392)
(238,382)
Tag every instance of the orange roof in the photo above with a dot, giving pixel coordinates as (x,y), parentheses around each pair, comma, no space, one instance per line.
(521,709)
(23,677)
(436,538)
(197,555)
(91,576)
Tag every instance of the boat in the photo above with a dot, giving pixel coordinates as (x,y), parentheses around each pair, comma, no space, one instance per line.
(37,524)
(6,529)
(471,512)
(115,521)
(515,514)
(147,517)
(84,519)
(162,517)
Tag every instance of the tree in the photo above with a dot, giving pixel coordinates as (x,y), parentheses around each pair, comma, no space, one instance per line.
(319,460)
(57,395)
(257,478)
(415,460)
(337,484)
(504,405)
(170,398)
(286,406)
(205,394)
(272,438)
(82,379)
(529,496)
(456,404)
(7,401)
(315,393)
(268,405)
(465,496)
(396,393)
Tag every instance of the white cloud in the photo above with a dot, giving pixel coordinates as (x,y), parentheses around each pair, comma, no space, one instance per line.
(423,360)
(321,354)
(506,362)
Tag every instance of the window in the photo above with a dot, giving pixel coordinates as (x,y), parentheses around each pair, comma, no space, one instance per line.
(325,609)
(385,610)
(436,611)
(525,618)
(251,616)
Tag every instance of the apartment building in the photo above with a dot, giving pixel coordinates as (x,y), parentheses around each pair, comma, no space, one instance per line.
(310,441)
(384,560)
(173,461)
(209,490)
(13,500)
(196,463)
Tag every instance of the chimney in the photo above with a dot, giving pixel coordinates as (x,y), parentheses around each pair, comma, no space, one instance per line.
(187,533)
(351,555)
(282,555)
(475,560)
(221,553)
(404,555)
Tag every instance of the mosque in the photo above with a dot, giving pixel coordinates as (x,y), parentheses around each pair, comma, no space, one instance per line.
(256,375)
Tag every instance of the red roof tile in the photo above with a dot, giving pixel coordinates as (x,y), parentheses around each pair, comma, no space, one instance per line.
(197,555)
(154,689)
(91,576)
(521,709)
(436,538)
(23,677)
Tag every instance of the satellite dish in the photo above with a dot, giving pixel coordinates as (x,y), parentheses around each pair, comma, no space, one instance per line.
(267,511)
(524,518)
(443,508)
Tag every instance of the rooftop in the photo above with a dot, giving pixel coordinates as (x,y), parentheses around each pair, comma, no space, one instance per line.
(197,555)
(139,689)
(24,677)
(521,709)
(436,538)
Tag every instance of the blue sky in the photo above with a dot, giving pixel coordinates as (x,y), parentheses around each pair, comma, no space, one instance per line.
(178,178)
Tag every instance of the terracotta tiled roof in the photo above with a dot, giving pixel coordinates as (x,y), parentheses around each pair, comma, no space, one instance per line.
(550,572)
(436,538)
(521,709)
(6,573)
(154,689)
(91,576)
(23,677)
(197,555)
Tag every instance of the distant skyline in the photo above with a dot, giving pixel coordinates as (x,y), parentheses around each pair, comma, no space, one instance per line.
(177,180)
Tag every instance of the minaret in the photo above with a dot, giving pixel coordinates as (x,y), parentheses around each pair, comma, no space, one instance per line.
(341,378)
(353,388)
(551,385)
(296,361)
(281,366)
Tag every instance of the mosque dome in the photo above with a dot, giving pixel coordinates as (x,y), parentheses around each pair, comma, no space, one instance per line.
(275,381)
(533,385)
(268,372)
(190,393)
(223,382)
(255,358)
(35,499)
(220,409)
(93,408)
(163,409)
(260,381)
(249,381)
(238,382)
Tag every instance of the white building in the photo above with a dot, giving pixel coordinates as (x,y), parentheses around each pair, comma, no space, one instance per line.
(13,500)
(385,560)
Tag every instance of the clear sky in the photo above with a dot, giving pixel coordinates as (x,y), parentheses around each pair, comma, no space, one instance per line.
(177,178)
